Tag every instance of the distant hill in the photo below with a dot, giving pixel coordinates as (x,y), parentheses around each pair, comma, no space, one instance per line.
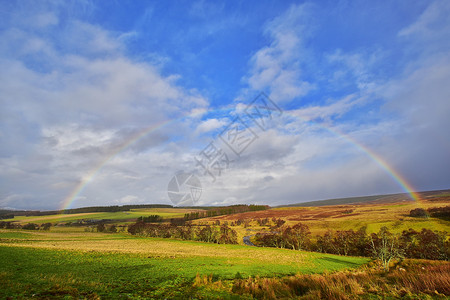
(368,199)
(90,209)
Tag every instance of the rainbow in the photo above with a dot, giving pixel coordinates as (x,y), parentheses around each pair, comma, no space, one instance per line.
(383,164)
(395,175)
(86,179)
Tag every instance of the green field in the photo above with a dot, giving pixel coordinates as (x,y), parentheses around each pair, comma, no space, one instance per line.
(57,264)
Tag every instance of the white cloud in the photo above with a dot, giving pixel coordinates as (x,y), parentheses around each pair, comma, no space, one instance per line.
(434,21)
(211,124)
(324,113)
(277,67)
(46,19)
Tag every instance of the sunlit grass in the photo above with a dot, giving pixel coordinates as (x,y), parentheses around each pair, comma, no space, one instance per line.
(58,264)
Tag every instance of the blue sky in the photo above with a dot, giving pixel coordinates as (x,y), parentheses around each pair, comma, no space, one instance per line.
(80,79)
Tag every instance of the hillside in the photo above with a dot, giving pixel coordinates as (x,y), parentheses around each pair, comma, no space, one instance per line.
(388,198)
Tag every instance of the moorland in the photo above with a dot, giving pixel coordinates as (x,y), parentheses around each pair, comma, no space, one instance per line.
(373,249)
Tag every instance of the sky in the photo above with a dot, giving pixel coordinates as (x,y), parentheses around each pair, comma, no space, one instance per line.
(103,102)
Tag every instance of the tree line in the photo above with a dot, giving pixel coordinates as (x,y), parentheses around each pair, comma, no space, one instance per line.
(436,212)
(210,234)
(384,245)
(28,226)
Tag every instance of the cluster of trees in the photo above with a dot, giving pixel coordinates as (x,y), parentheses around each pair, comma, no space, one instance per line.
(101,227)
(384,245)
(211,234)
(227,210)
(29,226)
(150,219)
(6,216)
(273,223)
(437,212)
(440,212)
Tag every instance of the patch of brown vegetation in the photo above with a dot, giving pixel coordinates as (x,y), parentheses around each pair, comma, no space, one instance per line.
(346,215)
(413,278)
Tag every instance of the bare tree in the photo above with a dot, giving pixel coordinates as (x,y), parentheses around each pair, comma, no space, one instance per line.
(385,247)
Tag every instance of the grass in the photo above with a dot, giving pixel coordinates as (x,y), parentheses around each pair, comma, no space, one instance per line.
(53,264)
(413,279)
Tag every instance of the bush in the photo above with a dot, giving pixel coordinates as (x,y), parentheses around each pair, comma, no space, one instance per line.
(46,226)
(112,228)
(101,227)
(418,212)
(30,226)
(440,212)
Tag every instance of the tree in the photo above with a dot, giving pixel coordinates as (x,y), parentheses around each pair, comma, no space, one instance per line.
(361,247)
(385,247)
(432,244)
(207,234)
(296,237)
(227,235)
(343,240)
(324,242)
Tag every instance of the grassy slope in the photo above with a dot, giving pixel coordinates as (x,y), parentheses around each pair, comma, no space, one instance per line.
(364,199)
(56,263)
(320,219)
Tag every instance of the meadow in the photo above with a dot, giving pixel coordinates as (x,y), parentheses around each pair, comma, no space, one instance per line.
(77,264)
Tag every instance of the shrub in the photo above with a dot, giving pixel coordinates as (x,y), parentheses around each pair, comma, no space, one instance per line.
(46,226)
(440,212)
(30,226)
(418,212)
(414,280)
(101,227)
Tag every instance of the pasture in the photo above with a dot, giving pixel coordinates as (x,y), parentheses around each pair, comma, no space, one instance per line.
(78,264)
